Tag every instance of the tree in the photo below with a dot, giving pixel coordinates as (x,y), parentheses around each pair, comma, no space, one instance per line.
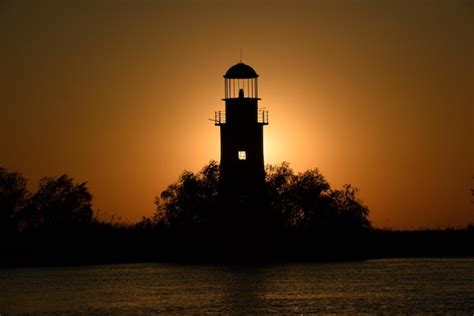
(190,201)
(350,212)
(301,202)
(59,203)
(13,197)
(306,202)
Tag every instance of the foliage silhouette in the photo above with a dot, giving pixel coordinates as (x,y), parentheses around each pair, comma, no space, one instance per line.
(59,203)
(191,201)
(299,202)
(306,202)
(13,198)
(55,225)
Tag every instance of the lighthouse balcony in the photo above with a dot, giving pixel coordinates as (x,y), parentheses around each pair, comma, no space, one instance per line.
(262,117)
(220,117)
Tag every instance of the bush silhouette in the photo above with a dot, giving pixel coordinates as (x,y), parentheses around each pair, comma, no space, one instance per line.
(312,222)
(301,202)
(13,198)
(306,202)
(59,203)
(191,201)
(298,202)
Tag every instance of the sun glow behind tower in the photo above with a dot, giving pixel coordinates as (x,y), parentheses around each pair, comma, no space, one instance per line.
(374,94)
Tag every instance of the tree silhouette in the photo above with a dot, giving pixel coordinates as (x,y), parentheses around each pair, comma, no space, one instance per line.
(59,203)
(306,202)
(301,202)
(297,199)
(190,201)
(350,213)
(13,197)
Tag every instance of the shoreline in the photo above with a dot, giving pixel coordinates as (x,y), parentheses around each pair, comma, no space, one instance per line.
(32,250)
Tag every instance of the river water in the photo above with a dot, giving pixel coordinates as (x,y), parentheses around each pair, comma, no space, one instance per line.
(403,286)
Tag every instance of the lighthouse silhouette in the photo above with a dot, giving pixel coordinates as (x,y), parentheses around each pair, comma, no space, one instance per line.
(242,171)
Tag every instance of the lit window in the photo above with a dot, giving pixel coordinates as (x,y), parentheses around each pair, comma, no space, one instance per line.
(242,155)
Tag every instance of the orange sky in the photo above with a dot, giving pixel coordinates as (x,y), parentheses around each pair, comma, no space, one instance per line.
(378,94)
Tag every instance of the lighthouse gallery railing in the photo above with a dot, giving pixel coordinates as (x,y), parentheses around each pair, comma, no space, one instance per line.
(220,117)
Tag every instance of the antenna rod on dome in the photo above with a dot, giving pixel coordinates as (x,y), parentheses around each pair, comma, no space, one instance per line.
(241,55)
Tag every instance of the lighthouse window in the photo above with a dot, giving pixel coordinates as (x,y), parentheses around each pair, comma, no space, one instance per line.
(242,155)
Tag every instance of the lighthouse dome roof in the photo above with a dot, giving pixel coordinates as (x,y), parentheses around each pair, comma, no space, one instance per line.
(240,71)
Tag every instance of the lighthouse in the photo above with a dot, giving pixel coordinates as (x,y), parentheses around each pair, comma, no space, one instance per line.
(242,169)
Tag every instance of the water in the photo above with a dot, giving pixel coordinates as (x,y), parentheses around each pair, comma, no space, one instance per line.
(390,286)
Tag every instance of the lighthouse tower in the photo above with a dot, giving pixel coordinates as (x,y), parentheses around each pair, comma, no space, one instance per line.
(242,171)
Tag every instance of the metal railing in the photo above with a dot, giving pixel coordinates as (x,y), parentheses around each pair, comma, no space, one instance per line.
(262,117)
(220,117)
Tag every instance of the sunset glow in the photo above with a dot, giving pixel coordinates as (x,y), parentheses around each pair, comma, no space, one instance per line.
(119,94)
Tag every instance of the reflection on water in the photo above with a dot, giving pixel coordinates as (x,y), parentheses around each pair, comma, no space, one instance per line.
(386,286)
